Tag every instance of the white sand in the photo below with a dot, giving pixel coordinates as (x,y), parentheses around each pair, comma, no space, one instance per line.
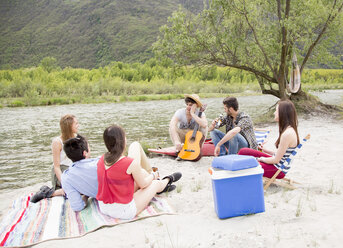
(309,216)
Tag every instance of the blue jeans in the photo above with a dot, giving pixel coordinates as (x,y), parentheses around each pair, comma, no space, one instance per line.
(233,145)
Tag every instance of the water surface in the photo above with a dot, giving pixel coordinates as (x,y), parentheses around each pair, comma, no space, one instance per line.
(26,133)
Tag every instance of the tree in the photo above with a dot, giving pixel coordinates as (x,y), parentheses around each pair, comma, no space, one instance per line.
(48,64)
(257,36)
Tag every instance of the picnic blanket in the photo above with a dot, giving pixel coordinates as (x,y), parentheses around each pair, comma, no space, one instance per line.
(27,223)
(207,148)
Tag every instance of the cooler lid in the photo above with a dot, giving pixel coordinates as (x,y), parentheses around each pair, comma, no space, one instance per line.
(234,162)
(217,174)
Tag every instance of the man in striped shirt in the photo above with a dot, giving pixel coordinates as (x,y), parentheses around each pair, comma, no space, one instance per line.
(239,130)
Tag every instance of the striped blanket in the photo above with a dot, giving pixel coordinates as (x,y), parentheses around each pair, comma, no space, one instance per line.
(27,223)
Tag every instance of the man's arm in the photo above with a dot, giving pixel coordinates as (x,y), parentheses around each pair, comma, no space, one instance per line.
(212,126)
(202,121)
(75,198)
(229,135)
(173,133)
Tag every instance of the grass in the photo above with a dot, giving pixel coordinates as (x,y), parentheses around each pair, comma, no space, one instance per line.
(179,188)
(298,211)
(65,100)
(331,187)
(198,185)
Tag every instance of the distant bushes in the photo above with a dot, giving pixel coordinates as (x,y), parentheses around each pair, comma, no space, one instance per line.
(320,79)
(48,84)
(120,79)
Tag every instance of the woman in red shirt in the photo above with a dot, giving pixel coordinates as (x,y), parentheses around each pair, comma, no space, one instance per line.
(124,188)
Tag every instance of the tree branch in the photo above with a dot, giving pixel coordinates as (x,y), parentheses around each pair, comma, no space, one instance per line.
(284,46)
(279,9)
(271,92)
(252,70)
(328,21)
(221,45)
(258,44)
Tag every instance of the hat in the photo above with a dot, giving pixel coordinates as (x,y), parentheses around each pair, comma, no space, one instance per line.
(196,98)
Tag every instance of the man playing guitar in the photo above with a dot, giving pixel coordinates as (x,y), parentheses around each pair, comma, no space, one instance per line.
(185,119)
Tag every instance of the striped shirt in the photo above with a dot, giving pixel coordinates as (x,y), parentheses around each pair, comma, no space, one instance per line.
(245,123)
(284,164)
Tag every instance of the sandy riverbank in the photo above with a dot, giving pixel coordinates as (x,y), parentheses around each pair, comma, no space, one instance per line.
(309,216)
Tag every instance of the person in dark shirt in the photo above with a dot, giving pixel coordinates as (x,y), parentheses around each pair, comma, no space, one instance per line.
(239,130)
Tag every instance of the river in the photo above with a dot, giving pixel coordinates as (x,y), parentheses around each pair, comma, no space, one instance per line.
(26,132)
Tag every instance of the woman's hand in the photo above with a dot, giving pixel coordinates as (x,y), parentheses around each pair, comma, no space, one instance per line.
(217,151)
(260,146)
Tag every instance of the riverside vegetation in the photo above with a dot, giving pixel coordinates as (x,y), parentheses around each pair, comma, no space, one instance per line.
(48,84)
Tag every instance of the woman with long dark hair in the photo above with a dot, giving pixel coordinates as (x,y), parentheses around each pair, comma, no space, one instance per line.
(124,187)
(286,115)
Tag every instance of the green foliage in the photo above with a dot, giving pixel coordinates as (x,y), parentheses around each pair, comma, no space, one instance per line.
(259,37)
(149,81)
(17,103)
(81,34)
(48,64)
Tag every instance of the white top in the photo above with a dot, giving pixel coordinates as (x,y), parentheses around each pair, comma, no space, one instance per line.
(218,174)
(63,157)
(182,117)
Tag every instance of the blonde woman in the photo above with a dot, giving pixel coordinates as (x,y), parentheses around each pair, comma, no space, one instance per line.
(69,128)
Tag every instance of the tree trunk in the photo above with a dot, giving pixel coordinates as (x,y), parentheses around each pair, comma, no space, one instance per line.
(282,88)
(307,103)
(300,96)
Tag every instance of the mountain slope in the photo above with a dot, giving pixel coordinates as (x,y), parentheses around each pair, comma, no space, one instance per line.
(84,33)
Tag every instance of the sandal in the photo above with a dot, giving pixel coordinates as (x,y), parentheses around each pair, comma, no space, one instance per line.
(173,177)
(168,188)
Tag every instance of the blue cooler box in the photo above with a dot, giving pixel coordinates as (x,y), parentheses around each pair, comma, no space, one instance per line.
(237,186)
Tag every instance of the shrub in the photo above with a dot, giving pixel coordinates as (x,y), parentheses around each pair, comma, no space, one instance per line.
(48,64)
(17,103)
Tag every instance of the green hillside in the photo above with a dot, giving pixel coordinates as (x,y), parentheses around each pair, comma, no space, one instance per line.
(82,33)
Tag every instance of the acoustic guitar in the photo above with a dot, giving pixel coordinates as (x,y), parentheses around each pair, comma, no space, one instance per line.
(191,149)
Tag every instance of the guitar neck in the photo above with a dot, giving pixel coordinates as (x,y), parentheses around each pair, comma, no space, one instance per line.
(196,125)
